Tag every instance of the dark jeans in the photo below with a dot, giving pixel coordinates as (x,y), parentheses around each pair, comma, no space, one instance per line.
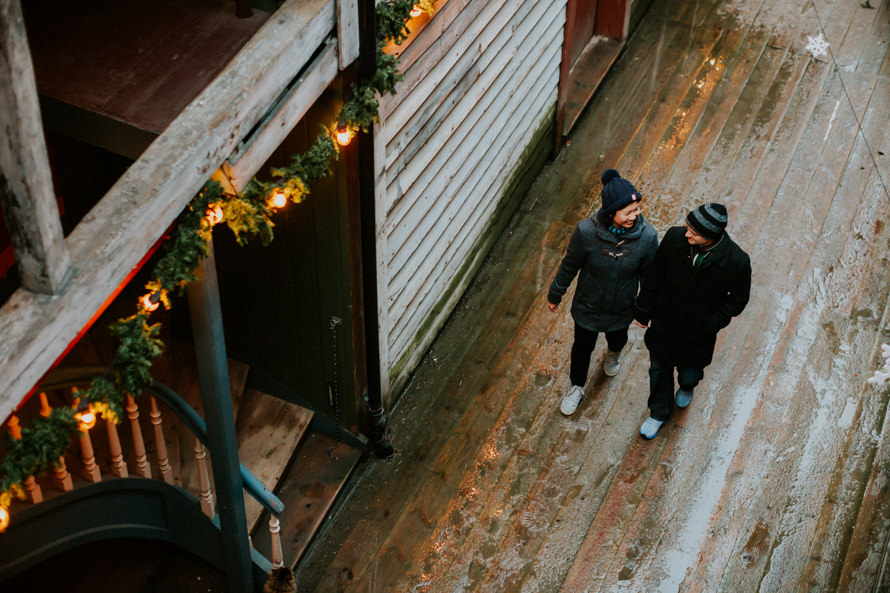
(661,385)
(582,348)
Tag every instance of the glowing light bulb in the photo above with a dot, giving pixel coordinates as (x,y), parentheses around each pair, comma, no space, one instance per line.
(277,200)
(215,214)
(343,135)
(416,11)
(151,301)
(87,419)
(4,519)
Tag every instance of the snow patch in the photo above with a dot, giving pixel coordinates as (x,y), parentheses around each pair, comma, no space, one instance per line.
(679,560)
(882,375)
(846,419)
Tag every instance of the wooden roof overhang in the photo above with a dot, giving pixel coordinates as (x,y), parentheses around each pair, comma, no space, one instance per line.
(236,121)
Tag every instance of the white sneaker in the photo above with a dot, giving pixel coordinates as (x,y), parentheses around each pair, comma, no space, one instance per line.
(612,363)
(571,399)
(650,427)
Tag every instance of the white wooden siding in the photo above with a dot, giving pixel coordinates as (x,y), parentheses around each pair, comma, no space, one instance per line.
(448,145)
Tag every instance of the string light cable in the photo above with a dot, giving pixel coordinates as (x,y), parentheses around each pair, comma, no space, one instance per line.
(850,102)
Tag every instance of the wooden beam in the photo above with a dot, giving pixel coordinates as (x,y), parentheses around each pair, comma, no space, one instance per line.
(347,31)
(255,151)
(113,237)
(26,187)
(613,19)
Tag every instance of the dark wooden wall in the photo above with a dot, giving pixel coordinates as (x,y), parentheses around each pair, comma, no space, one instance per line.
(278,300)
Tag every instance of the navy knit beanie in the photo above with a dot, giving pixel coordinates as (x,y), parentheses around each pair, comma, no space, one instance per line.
(617,192)
(708,220)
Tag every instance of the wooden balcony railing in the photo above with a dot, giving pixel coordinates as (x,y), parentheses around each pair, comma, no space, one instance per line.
(140,446)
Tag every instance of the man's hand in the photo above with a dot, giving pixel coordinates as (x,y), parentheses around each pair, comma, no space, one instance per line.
(647,326)
(552,307)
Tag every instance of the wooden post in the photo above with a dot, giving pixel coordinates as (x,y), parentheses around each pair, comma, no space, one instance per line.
(347,31)
(614,20)
(216,395)
(26,188)
(565,67)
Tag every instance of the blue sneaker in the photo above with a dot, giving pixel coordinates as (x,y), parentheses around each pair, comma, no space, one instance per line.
(683,397)
(650,427)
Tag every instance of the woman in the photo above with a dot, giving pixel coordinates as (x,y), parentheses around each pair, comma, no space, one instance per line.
(612,250)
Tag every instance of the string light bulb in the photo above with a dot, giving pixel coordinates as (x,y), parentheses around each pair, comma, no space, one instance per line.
(343,134)
(215,214)
(277,199)
(416,11)
(87,418)
(4,519)
(151,301)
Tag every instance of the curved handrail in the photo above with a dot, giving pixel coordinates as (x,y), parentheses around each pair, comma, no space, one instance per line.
(196,424)
(71,376)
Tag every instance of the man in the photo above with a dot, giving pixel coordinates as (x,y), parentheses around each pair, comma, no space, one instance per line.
(700,279)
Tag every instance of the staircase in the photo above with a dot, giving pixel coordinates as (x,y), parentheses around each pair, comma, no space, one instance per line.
(276,443)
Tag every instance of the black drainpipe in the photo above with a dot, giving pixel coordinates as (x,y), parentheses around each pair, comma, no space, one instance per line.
(367,66)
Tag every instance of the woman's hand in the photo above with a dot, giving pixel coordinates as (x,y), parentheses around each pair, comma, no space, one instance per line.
(641,325)
(552,307)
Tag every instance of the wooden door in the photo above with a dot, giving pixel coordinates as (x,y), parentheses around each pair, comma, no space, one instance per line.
(595,32)
(279,300)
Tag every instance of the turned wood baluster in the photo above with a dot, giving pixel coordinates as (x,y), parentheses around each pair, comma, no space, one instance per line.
(205,495)
(91,471)
(277,551)
(61,477)
(163,458)
(143,468)
(31,485)
(118,465)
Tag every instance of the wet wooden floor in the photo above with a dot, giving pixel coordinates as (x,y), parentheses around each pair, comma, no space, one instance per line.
(776,477)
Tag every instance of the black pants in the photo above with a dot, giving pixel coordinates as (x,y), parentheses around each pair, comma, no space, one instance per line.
(582,348)
(661,385)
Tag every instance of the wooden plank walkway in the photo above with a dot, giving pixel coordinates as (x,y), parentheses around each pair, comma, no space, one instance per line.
(777,477)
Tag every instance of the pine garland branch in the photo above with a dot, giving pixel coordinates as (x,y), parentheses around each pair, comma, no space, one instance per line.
(41,446)
(392,20)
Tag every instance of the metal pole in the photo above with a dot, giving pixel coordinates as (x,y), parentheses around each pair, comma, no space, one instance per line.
(367,66)
(213,372)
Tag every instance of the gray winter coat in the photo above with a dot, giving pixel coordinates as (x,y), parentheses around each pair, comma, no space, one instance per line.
(610,266)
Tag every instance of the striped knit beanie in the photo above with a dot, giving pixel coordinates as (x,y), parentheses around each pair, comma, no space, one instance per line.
(708,220)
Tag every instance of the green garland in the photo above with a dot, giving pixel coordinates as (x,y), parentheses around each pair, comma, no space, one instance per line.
(247,214)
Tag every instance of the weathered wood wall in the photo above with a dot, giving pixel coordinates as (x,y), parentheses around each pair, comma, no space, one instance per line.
(480,86)
(108,244)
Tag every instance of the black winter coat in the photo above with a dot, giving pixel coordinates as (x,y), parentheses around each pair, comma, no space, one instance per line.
(610,270)
(687,307)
